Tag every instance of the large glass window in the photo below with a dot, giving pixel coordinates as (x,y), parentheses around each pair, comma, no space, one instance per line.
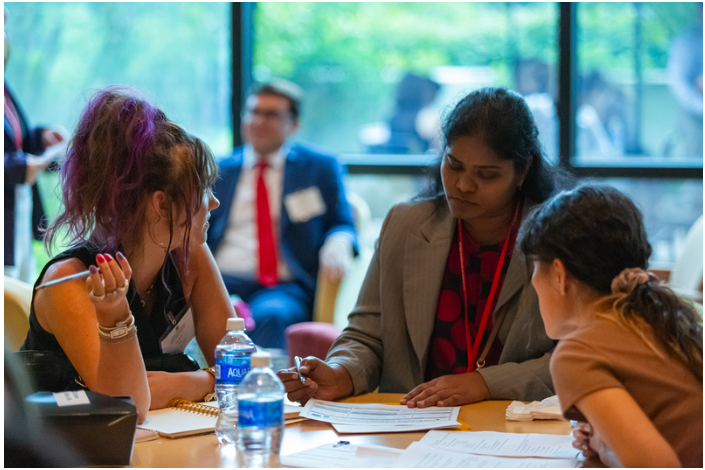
(178,54)
(669,206)
(640,84)
(378,75)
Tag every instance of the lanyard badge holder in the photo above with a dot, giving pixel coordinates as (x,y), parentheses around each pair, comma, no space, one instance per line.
(472,354)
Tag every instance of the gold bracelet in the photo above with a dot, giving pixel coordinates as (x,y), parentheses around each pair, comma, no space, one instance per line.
(130,333)
(210,396)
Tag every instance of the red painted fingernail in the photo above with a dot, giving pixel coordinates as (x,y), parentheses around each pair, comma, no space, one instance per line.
(100,258)
(108,257)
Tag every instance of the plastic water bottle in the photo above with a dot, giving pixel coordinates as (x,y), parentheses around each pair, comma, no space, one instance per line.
(261,420)
(232,363)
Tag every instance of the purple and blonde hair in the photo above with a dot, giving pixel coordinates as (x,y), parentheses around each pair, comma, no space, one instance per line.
(124,150)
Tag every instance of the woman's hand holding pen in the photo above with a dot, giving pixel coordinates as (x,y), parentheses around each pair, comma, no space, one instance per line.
(322,381)
(107,288)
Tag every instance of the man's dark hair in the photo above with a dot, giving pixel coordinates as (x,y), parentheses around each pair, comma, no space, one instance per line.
(285,89)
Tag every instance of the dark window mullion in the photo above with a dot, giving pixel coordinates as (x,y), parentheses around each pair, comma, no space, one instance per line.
(567,79)
(242,34)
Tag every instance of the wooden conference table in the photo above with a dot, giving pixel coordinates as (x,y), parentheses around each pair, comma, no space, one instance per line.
(204,451)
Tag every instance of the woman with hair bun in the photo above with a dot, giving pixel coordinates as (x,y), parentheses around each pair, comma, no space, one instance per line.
(135,186)
(629,363)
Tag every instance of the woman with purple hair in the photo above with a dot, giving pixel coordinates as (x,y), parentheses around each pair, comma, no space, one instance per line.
(136,185)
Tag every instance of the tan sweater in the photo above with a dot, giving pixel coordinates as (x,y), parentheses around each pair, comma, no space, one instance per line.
(608,354)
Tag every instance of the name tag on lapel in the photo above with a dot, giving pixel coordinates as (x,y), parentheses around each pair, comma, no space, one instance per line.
(181,334)
(304,205)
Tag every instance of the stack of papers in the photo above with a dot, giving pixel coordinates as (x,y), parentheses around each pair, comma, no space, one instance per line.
(444,449)
(374,418)
(548,408)
(344,455)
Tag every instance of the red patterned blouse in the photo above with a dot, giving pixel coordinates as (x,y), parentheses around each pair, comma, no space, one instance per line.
(448,349)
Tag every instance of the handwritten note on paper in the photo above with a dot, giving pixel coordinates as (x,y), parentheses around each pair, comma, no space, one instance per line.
(418,455)
(379,415)
(503,444)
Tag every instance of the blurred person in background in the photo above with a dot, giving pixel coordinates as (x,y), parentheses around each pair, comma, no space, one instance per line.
(601,119)
(283,216)
(28,151)
(414,93)
(532,80)
(685,72)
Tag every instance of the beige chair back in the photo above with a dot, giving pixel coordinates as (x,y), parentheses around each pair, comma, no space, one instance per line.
(18,298)
(327,291)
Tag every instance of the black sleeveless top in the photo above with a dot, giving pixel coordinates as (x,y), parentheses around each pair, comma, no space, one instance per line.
(169,306)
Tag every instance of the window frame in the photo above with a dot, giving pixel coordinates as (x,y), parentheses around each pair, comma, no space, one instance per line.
(242,63)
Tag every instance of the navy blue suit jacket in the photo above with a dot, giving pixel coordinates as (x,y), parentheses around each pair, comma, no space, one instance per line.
(299,242)
(16,173)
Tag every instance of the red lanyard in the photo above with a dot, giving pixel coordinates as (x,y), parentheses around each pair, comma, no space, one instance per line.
(490,299)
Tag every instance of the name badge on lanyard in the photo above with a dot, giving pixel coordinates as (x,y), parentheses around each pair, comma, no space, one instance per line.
(180,333)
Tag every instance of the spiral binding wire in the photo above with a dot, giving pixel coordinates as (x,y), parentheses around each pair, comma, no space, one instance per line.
(192,407)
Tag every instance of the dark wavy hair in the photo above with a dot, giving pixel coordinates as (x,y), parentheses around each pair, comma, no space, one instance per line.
(124,149)
(503,120)
(598,234)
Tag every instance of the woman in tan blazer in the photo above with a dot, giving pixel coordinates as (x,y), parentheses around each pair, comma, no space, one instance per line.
(415,328)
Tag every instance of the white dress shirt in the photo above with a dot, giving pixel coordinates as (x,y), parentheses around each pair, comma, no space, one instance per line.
(238,252)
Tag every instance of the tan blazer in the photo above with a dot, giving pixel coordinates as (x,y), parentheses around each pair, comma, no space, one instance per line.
(386,341)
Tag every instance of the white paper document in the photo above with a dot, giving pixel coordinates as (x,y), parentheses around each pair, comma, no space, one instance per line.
(380,418)
(503,444)
(342,455)
(418,455)
(367,428)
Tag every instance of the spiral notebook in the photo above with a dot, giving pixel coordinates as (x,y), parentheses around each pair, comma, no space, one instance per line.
(184,418)
(181,419)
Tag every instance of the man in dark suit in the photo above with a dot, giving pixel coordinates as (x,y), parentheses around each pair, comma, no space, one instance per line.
(23,146)
(283,214)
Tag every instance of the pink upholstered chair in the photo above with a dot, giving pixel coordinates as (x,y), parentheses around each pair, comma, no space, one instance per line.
(310,339)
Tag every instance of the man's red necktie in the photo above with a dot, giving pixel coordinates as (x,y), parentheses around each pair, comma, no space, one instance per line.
(265,233)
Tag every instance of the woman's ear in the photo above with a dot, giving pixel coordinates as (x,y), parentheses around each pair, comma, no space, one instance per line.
(157,205)
(560,276)
(523,175)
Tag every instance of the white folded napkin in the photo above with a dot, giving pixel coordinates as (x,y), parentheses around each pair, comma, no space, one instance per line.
(548,408)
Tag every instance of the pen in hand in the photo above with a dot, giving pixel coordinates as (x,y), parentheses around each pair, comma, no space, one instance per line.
(297,361)
(72,277)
